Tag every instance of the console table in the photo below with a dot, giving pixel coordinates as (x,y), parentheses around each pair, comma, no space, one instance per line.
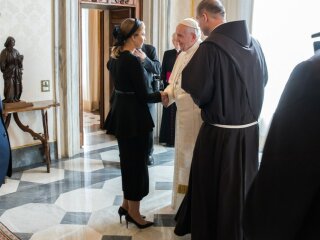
(42,106)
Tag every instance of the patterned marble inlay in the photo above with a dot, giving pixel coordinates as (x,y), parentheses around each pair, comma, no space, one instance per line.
(110,156)
(32,217)
(163,186)
(118,200)
(67,232)
(83,165)
(9,187)
(40,175)
(83,202)
(76,218)
(116,238)
(164,220)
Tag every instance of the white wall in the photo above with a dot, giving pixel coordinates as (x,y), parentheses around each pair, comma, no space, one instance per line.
(235,10)
(30,23)
(180,9)
(285,42)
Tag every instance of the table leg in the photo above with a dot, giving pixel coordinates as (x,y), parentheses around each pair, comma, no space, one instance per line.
(7,119)
(46,137)
(42,137)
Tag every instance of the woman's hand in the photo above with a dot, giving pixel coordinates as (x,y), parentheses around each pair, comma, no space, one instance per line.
(164,98)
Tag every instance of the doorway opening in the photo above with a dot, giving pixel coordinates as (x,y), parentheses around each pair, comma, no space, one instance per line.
(96,25)
(93,78)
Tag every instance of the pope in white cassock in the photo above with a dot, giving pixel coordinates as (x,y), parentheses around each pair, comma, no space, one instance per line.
(188,118)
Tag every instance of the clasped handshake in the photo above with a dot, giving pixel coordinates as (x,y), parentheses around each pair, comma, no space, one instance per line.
(164,98)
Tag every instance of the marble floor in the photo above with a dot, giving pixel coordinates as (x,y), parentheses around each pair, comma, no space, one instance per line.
(79,199)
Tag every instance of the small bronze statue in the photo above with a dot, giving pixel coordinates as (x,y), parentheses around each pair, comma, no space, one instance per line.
(11,67)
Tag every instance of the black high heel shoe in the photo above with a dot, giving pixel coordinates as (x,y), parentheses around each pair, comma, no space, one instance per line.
(124,212)
(141,226)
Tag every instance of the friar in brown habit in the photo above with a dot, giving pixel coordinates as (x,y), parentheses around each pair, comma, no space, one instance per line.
(226,79)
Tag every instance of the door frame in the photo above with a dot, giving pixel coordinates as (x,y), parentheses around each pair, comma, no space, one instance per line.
(137,8)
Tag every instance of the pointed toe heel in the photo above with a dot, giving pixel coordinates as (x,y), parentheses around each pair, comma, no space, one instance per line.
(140,226)
(122,212)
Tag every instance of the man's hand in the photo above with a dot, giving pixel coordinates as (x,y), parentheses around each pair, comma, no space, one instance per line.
(164,99)
(140,54)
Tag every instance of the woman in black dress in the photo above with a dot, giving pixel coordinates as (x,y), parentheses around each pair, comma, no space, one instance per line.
(129,118)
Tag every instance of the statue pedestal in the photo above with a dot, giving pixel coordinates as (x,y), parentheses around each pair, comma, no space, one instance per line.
(21,104)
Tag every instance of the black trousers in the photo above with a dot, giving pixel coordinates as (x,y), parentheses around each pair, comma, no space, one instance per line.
(134,170)
(152,109)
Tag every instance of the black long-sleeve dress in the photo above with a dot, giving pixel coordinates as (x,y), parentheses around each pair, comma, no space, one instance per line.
(130,121)
(168,121)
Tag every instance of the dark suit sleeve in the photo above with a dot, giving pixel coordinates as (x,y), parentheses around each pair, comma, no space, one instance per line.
(164,66)
(151,63)
(136,70)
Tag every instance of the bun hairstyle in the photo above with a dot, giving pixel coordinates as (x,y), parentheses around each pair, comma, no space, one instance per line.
(117,34)
(121,33)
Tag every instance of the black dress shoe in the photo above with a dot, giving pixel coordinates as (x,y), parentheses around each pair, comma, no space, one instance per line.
(150,160)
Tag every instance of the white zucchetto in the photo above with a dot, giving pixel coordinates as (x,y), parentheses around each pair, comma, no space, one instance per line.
(189,22)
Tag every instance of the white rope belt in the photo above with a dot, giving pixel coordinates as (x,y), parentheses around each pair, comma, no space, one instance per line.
(235,126)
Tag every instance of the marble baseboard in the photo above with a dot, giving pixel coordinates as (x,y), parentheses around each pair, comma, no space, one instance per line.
(32,155)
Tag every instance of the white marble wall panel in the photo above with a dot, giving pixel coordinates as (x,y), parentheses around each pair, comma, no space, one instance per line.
(30,23)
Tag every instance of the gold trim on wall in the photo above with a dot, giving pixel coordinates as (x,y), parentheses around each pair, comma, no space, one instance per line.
(192,8)
(182,189)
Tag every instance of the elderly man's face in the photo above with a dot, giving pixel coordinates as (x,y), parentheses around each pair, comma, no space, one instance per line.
(185,36)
